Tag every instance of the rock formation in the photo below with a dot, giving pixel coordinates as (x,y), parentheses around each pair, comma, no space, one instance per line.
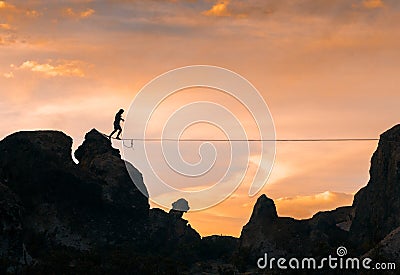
(364,226)
(58,216)
(378,204)
(287,237)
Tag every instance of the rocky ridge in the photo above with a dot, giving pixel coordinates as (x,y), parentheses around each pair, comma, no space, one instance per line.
(88,218)
(77,217)
(368,227)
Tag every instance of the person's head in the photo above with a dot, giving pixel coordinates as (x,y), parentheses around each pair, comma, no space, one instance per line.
(120,111)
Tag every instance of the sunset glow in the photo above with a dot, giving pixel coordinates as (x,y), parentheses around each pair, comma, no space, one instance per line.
(326,69)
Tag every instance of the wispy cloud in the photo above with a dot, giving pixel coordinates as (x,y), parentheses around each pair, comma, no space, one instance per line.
(5,5)
(302,207)
(373,4)
(10,11)
(57,68)
(8,75)
(71,13)
(7,39)
(5,26)
(32,13)
(218,9)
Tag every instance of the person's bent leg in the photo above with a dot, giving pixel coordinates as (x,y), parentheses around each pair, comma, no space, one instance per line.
(119,133)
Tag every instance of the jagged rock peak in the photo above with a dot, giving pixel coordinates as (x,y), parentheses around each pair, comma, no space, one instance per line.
(264,209)
(95,144)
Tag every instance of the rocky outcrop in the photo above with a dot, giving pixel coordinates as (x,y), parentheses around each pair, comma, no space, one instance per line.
(258,234)
(361,227)
(62,217)
(283,237)
(170,233)
(378,204)
(341,217)
(98,158)
(30,162)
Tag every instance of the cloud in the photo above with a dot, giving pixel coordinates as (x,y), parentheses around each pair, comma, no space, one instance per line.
(373,4)
(8,75)
(70,12)
(7,40)
(53,69)
(5,5)
(317,63)
(340,11)
(14,18)
(302,207)
(32,13)
(5,26)
(12,10)
(219,9)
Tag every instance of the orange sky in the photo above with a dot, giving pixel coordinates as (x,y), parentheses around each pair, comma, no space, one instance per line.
(325,68)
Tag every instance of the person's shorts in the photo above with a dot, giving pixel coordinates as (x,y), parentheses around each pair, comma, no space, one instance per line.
(117,127)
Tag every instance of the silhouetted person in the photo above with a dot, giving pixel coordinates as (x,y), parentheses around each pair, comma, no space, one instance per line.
(117,124)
